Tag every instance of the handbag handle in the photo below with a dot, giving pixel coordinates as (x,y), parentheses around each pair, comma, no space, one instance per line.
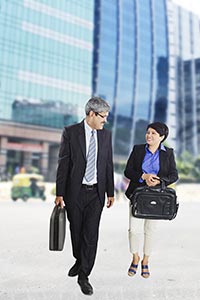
(160,188)
(163,185)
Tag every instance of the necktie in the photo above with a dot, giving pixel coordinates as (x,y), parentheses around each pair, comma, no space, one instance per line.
(90,167)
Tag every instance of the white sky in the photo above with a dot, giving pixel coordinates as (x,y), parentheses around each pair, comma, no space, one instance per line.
(192,5)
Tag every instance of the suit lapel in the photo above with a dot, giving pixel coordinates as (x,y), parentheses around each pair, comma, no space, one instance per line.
(162,158)
(142,154)
(100,138)
(82,140)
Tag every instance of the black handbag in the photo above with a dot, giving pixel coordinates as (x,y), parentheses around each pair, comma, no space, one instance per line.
(158,202)
(57,229)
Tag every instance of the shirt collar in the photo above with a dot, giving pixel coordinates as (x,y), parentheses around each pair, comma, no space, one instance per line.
(161,147)
(88,129)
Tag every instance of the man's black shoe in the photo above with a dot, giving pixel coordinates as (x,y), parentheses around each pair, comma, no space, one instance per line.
(86,287)
(74,269)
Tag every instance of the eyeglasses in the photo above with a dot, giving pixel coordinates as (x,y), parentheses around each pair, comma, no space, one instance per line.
(98,114)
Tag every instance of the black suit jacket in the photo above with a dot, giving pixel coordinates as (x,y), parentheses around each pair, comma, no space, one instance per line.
(133,170)
(72,164)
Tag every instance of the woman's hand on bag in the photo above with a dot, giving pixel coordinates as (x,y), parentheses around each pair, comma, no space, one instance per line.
(59,201)
(151,179)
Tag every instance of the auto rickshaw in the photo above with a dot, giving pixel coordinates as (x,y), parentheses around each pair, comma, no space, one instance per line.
(27,186)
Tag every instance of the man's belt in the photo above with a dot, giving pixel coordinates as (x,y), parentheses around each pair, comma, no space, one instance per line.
(89,187)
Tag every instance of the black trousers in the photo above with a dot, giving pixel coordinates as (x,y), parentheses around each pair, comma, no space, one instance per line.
(84,218)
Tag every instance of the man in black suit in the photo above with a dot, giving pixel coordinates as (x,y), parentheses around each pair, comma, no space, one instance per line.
(84,175)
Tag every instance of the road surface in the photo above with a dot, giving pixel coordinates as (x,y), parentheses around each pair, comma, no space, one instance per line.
(28,270)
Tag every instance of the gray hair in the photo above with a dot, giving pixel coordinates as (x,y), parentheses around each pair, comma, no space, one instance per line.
(96,104)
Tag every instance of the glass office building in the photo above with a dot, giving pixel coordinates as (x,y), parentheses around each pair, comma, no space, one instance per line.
(187,37)
(46,57)
(131,66)
(46,60)
(54,55)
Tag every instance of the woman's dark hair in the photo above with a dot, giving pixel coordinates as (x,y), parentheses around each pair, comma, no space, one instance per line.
(161,128)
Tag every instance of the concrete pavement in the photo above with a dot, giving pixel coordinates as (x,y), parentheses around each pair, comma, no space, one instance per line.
(28,270)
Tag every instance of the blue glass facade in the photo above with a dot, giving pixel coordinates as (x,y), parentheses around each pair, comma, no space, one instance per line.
(46,60)
(188,81)
(131,66)
(161,64)
(56,54)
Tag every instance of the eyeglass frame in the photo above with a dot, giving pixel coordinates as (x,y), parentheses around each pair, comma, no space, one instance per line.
(98,114)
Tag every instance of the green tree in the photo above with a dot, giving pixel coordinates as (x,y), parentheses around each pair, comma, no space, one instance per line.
(188,167)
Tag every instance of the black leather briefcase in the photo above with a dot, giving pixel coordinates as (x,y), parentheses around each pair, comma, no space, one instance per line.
(57,229)
(154,202)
